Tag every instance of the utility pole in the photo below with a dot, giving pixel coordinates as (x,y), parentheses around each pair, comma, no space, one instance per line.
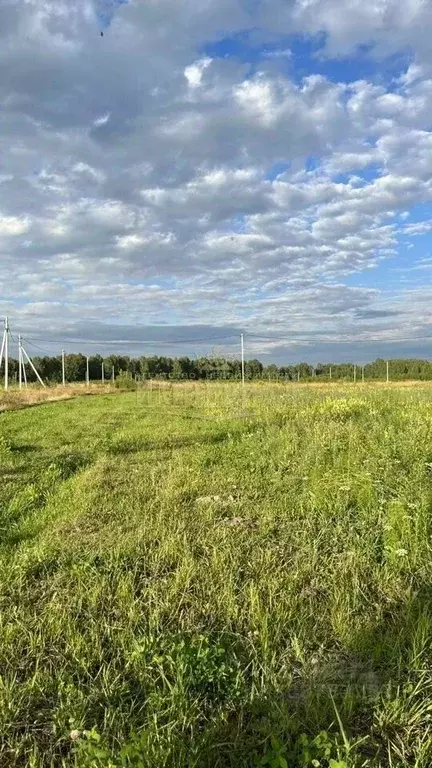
(298,375)
(113,374)
(355,373)
(6,352)
(63,368)
(330,372)
(30,362)
(2,348)
(103,373)
(387,371)
(20,361)
(362,374)
(87,371)
(242,359)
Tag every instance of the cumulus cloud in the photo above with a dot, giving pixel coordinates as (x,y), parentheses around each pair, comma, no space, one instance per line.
(13,225)
(143,179)
(194,72)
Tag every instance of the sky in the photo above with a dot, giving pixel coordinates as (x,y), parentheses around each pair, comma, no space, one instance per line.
(206,169)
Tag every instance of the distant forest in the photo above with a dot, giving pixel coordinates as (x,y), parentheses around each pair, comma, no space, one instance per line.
(207,368)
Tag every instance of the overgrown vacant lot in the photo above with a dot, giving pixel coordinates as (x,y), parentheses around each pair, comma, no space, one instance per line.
(192,577)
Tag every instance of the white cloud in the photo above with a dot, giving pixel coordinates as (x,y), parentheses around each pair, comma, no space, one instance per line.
(387,26)
(102,120)
(130,241)
(194,72)
(146,158)
(420,228)
(278,53)
(259,100)
(13,225)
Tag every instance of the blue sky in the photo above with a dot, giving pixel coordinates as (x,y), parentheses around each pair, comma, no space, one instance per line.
(258,166)
(106,11)
(300,56)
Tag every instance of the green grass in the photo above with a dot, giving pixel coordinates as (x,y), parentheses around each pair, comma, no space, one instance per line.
(192,577)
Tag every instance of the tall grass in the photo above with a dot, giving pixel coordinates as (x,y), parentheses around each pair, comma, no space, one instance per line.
(203,576)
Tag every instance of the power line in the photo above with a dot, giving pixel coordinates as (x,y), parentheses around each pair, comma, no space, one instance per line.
(251,336)
(226,337)
(325,340)
(48,354)
(154,342)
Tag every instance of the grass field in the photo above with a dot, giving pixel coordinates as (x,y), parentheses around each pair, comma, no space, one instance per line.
(192,577)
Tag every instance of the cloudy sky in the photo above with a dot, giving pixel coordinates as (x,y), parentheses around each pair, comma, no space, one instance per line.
(217,166)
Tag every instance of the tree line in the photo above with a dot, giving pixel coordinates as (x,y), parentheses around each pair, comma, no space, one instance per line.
(207,368)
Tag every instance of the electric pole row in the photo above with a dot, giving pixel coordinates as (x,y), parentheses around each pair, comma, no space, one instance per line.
(22,358)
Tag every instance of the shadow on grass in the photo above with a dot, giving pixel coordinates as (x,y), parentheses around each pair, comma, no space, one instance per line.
(23,448)
(124,447)
(12,472)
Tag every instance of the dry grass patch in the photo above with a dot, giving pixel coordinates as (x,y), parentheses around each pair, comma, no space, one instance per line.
(15,399)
